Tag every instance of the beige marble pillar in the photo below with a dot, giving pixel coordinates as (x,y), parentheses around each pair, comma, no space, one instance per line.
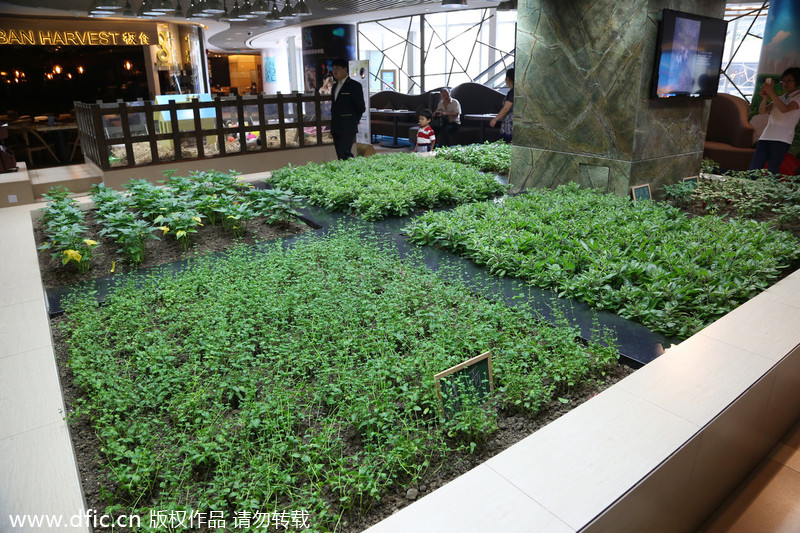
(583,111)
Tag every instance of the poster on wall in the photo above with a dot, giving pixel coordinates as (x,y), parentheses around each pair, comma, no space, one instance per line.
(359,71)
(781,50)
(270,70)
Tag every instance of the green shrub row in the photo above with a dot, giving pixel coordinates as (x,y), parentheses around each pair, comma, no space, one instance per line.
(487,157)
(387,185)
(644,261)
(755,194)
(299,379)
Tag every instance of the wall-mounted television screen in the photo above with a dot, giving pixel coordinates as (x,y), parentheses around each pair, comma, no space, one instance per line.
(689,55)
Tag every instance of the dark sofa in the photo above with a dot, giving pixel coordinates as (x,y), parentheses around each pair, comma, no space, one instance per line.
(729,138)
(395,100)
(475,99)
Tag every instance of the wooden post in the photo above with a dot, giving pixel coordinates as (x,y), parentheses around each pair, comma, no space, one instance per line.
(281,122)
(198,127)
(100,138)
(176,130)
(262,122)
(126,134)
(151,131)
(220,125)
(241,122)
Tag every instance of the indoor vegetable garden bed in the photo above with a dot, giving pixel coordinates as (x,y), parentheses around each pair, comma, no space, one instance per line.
(302,379)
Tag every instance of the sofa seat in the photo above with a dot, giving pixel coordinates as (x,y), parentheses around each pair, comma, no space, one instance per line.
(727,156)
(475,99)
(729,138)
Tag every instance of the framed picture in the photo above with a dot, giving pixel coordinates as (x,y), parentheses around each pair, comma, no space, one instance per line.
(388,80)
(641,193)
(694,180)
(472,377)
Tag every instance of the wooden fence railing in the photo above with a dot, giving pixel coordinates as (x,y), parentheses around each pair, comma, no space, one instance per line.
(131,134)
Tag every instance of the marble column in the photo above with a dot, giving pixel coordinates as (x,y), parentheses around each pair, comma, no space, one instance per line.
(583,111)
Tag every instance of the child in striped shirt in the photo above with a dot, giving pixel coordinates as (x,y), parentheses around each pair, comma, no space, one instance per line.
(426,138)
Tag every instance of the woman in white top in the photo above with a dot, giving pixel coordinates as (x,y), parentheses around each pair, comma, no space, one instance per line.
(784,113)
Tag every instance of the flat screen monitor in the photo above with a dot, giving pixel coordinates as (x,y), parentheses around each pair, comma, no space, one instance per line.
(689,58)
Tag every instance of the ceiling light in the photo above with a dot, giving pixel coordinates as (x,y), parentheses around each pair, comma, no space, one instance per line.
(163,6)
(260,7)
(105,5)
(148,10)
(246,11)
(213,6)
(95,11)
(144,12)
(236,15)
(128,12)
(302,9)
(274,13)
(454,3)
(287,11)
(198,9)
(224,17)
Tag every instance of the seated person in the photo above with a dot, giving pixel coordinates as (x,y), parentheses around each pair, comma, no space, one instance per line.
(449,110)
(426,138)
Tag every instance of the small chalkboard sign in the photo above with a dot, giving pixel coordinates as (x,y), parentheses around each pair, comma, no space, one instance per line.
(694,180)
(641,192)
(473,376)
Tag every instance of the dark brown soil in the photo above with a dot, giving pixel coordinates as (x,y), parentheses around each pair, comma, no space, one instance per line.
(164,250)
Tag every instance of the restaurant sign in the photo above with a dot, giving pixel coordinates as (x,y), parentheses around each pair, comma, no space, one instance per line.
(68,32)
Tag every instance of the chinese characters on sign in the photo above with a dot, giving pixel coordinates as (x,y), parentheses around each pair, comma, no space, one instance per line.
(74,38)
(296,519)
(68,32)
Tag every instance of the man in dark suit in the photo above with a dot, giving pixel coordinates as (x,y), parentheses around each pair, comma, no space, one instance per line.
(346,110)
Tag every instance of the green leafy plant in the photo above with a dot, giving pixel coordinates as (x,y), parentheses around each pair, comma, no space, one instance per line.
(181,224)
(387,185)
(487,157)
(120,223)
(63,223)
(647,262)
(679,194)
(278,205)
(301,378)
(750,194)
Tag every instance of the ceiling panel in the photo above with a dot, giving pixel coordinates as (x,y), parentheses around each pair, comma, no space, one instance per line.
(235,36)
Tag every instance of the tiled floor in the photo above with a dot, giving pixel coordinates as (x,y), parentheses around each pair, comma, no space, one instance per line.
(37,466)
(769,499)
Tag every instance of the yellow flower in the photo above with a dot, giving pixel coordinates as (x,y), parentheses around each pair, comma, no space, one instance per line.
(90,242)
(180,234)
(165,229)
(113,266)
(73,254)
